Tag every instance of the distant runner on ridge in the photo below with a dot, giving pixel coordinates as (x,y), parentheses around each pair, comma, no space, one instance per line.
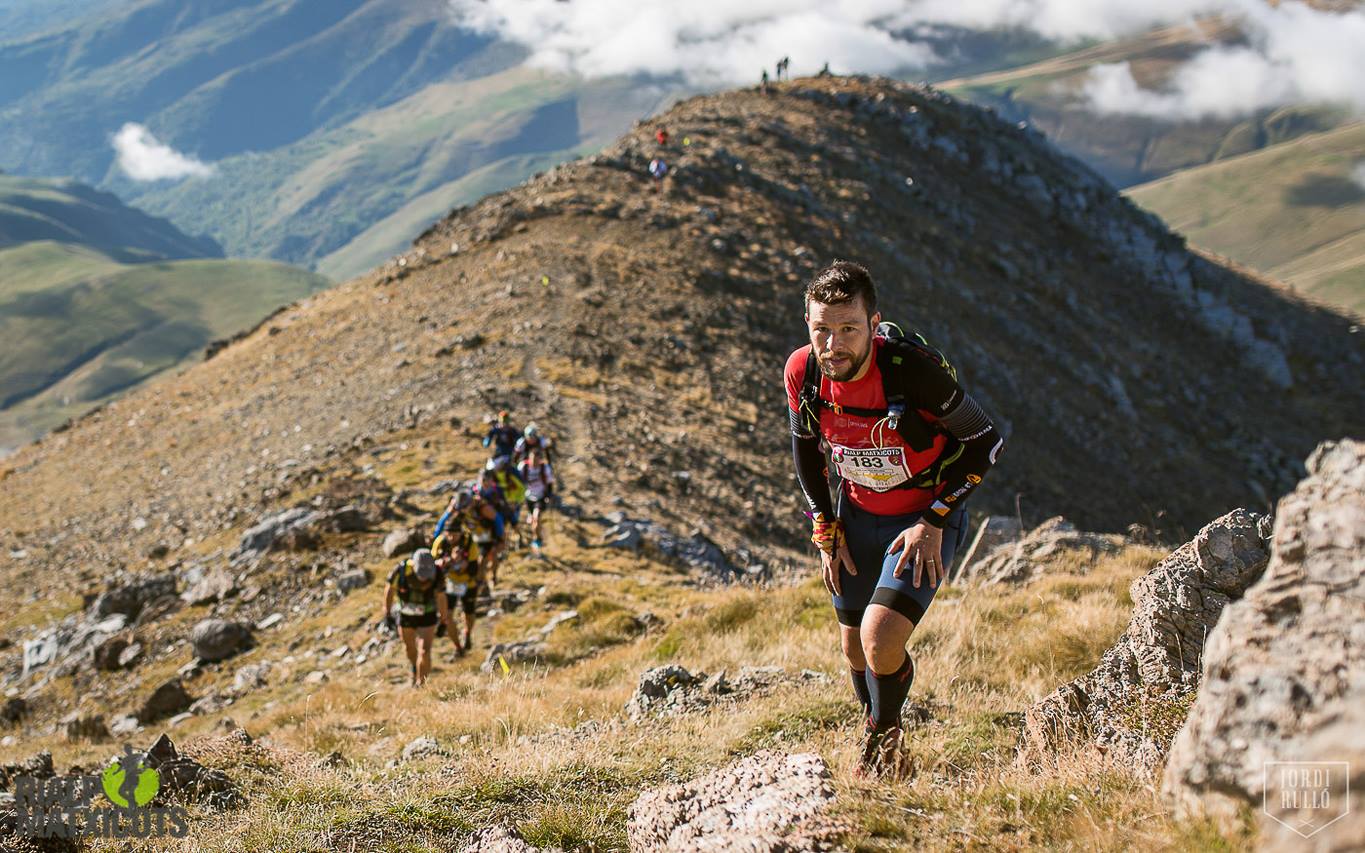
(909,445)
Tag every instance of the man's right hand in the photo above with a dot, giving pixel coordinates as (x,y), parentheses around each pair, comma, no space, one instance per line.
(830,565)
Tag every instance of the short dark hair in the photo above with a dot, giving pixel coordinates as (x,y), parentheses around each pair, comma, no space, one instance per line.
(842,282)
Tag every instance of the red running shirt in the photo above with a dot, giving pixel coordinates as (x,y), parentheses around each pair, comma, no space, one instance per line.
(867,464)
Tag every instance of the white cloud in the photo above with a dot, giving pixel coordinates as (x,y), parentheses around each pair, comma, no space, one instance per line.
(143,158)
(706,42)
(1293,52)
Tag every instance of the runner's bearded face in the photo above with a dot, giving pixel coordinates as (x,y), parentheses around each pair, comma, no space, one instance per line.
(842,337)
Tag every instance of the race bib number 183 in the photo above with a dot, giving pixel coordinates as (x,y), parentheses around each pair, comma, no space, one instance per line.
(870,467)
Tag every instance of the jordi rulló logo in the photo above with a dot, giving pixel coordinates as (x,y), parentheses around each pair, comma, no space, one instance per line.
(64,807)
(1306,796)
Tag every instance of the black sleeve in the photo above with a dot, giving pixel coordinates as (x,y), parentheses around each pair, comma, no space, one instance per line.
(810,473)
(981,446)
(935,392)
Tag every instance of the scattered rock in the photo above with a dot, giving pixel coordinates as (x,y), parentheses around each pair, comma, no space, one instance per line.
(129,655)
(85,727)
(250,677)
(38,765)
(422,747)
(403,541)
(129,599)
(124,725)
(215,586)
(353,580)
(523,651)
(270,533)
(503,839)
(39,651)
(108,652)
(168,699)
(766,802)
(270,621)
(14,709)
(347,519)
(1284,670)
(1133,702)
(992,532)
(695,551)
(671,689)
(186,779)
(210,704)
(216,639)
(1022,560)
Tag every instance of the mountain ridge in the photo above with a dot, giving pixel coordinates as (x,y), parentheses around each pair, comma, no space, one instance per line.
(769,189)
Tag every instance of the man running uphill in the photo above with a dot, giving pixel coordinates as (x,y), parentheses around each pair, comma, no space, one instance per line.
(909,446)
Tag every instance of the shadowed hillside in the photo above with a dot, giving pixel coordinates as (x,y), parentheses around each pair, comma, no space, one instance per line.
(1295,211)
(97,296)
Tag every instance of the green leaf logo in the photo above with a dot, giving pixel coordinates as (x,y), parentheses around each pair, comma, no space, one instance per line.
(128,780)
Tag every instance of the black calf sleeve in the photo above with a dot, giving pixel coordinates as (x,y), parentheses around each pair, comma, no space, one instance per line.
(861,689)
(888,693)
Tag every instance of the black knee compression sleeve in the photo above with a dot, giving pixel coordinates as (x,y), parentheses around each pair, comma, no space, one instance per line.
(888,693)
(860,688)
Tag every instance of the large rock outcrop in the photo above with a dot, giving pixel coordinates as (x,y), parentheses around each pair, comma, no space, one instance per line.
(1284,671)
(1132,703)
(766,802)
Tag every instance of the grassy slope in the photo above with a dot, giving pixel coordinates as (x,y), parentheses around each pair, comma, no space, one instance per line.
(82,327)
(984,655)
(33,209)
(603,108)
(357,193)
(197,459)
(1292,211)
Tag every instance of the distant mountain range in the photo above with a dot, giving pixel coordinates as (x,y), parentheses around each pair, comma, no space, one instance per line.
(96,297)
(338,129)
(324,119)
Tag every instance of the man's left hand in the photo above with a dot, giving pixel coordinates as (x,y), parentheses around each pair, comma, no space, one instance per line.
(921,545)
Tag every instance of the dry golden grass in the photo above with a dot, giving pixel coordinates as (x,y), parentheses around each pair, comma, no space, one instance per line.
(515,755)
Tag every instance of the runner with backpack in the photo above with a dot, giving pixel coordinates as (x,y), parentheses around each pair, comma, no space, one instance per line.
(502,437)
(909,446)
(532,439)
(418,586)
(540,484)
(457,556)
(469,507)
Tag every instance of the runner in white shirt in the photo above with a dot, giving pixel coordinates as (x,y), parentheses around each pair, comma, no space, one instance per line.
(540,484)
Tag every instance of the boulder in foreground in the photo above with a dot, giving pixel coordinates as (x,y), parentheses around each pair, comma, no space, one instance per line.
(1284,677)
(1132,703)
